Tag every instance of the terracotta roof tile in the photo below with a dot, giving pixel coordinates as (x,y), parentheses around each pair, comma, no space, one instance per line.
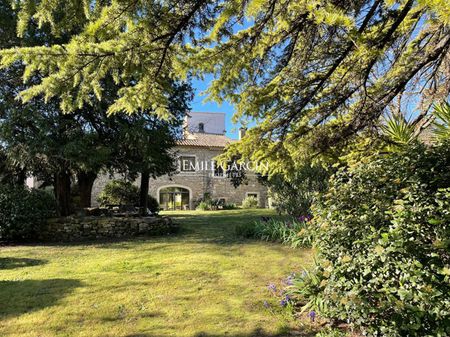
(205,140)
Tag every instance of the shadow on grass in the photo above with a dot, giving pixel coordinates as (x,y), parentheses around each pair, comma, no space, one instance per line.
(21,297)
(19,262)
(255,333)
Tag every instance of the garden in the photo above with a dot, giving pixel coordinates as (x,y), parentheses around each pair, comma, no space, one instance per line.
(342,107)
(204,281)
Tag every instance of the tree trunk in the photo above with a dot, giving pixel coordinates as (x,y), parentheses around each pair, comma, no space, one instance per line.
(143,192)
(85,183)
(62,193)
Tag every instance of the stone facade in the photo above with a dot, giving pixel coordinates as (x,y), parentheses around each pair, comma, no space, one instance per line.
(92,228)
(204,146)
(203,182)
(198,183)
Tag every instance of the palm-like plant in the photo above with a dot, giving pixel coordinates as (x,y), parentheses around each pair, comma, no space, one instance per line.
(442,121)
(399,131)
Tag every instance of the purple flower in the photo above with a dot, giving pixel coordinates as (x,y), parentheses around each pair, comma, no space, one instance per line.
(272,287)
(290,279)
(266,304)
(312,315)
(284,302)
(304,218)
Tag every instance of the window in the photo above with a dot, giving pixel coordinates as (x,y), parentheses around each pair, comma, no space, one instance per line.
(187,163)
(221,201)
(201,127)
(174,198)
(253,195)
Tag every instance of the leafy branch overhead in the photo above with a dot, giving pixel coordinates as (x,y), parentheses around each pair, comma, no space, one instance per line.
(134,42)
(313,74)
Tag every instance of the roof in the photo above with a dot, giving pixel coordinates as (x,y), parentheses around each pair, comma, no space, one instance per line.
(205,140)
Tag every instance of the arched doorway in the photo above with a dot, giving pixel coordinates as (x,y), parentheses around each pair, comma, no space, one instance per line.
(174,198)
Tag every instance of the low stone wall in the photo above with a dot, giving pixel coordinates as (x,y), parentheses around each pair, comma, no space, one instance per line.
(91,228)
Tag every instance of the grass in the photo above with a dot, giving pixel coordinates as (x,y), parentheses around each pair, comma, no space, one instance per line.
(201,282)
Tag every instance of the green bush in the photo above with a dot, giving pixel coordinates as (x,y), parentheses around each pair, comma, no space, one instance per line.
(383,243)
(293,232)
(119,192)
(207,204)
(23,212)
(204,205)
(228,206)
(250,202)
(295,194)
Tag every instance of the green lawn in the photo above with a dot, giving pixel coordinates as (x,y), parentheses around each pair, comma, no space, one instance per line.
(200,282)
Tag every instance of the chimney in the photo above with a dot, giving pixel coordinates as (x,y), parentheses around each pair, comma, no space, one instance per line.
(242,131)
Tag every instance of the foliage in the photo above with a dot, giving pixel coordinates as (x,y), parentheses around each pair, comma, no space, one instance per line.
(293,232)
(204,205)
(294,194)
(229,206)
(250,202)
(442,125)
(399,130)
(57,146)
(103,48)
(208,204)
(383,241)
(23,212)
(331,68)
(119,192)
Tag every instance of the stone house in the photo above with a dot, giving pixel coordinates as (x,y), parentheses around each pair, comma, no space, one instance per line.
(198,176)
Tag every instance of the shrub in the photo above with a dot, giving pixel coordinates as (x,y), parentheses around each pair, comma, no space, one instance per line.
(229,206)
(23,212)
(294,195)
(383,242)
(250,202)
(203,206)
(119,192)
(293,232)
(208,204)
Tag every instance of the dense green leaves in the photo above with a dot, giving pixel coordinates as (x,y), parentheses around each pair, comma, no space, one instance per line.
(383,240)
(23,212)
(136,43)
(294,194)
(312,74)
(442,125)
(119,192)
(295,232)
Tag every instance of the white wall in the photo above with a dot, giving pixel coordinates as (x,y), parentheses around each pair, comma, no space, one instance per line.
(214,122)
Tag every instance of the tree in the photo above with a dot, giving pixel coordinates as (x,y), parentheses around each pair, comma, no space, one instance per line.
(313,74)
(316,74)
(56,146)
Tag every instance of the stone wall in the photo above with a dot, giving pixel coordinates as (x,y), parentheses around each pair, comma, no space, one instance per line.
(91,228)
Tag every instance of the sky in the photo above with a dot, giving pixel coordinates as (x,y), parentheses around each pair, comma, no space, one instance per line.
(198,105)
